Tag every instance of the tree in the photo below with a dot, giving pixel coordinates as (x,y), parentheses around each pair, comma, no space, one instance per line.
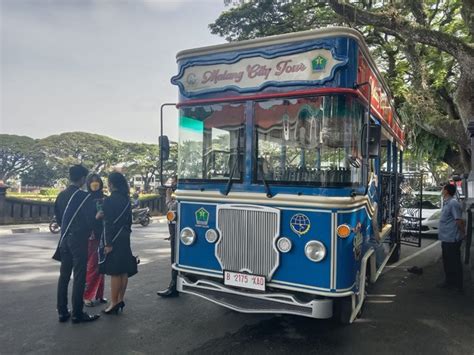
(17,154)
(437,37)
(42,162)
(142,159)
(98,153)
(41,174)
(424,47)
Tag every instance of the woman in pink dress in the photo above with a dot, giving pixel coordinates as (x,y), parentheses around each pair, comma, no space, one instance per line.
(94,291)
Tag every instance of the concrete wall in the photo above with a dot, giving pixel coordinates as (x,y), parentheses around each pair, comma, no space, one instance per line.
(16,211)
(157,205)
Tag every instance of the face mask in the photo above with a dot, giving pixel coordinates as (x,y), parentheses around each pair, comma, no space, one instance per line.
(94,186)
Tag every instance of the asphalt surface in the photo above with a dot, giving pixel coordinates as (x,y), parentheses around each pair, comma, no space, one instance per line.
(404,313)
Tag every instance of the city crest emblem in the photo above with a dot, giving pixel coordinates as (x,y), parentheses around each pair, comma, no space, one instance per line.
(319,63)
(300,224)
(202,217)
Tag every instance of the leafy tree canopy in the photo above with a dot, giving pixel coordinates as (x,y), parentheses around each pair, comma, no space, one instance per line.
(424,49)
(42,162)
(17,154)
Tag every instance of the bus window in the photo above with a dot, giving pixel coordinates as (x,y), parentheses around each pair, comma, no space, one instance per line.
(314,141)
(211,143)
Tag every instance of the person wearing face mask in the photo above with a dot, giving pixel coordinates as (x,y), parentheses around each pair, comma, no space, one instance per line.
(94,292)
(76,221)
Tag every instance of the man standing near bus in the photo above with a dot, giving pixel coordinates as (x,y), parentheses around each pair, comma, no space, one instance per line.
(451,234)
(76,221)
(172,206)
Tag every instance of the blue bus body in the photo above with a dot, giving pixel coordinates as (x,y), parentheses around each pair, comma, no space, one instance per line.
(235,212)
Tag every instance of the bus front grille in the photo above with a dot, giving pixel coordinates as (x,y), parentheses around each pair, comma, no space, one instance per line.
(247,239)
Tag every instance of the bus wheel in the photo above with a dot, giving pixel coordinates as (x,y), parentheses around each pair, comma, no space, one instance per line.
(395,255)
(343,310)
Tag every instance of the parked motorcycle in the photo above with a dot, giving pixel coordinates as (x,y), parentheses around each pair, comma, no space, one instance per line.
(54,226)
(141,216)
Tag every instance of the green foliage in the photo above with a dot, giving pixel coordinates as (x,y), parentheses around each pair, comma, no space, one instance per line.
(46,161)
(97,153)
(268,17)
(49,192)
(148,197)
(422,78)
(17,154)
(31,196)
(42,173)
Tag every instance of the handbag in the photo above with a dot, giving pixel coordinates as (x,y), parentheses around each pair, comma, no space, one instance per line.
(134,262)
(57,254)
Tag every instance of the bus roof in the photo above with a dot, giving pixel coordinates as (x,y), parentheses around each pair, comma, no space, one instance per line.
(289,38)
(327,32)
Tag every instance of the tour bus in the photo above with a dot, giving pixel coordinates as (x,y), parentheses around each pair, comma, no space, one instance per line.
(282,204)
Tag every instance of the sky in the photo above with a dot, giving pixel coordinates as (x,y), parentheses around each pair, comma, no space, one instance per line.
(98,66)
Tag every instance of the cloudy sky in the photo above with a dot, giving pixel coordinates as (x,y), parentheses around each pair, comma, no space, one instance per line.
(100,66)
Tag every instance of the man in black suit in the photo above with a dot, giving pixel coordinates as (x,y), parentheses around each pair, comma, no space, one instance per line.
(76,218)
(172,205)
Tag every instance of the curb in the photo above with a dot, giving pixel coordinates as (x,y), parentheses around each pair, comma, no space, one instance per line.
(18,229)
(160,219)
(25,230)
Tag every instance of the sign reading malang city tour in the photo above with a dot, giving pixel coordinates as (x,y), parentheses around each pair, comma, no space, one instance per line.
(251,74)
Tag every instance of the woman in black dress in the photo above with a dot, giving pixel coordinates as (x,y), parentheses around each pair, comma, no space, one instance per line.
(119,261)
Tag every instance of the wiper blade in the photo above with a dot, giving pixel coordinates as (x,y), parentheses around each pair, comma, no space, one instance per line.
(265,183)
(236,162)
(229,182)
(267,187)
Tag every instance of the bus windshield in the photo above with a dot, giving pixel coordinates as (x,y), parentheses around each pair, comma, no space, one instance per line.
(313,141)
(211,142)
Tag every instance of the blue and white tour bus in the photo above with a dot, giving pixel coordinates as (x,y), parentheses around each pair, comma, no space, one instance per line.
(283,206)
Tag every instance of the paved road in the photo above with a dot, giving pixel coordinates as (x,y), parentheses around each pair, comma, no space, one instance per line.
(405,313)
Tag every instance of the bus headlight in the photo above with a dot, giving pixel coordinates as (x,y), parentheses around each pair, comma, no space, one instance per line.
(315,251)
(187,236)
(212,236)
(284,245)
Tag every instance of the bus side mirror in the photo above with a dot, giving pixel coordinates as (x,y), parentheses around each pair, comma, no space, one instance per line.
(164,143)
(374,132)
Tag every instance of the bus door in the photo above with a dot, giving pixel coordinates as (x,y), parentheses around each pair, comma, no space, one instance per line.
(411,203)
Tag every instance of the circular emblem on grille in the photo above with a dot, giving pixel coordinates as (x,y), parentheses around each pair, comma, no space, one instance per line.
(300,224)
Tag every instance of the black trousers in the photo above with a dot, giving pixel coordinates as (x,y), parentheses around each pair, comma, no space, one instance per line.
(174,273)
(452,263)
(73,259)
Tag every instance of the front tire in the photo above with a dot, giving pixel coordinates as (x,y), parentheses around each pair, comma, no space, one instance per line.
(395,255)
(343,310)
(145,221)
(54,227)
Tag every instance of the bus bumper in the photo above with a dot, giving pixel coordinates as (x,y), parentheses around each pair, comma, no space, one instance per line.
(251,302)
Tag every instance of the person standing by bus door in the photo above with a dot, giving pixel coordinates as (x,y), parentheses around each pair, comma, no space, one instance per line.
(451,234)
(172,206)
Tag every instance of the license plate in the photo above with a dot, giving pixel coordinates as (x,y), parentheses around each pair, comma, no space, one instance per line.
(253,282)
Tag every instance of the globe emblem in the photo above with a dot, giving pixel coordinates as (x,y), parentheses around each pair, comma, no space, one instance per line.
(300,224)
